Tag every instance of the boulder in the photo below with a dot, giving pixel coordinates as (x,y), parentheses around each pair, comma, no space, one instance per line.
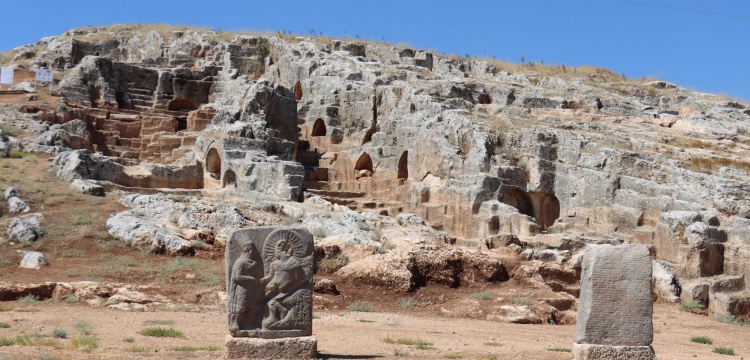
(10,192)
(141,233)
(26,228)
(409,219)
(665,284)
(33,260)
(87,187)
(426,264)
(16,205)
(736,304)
(325,286)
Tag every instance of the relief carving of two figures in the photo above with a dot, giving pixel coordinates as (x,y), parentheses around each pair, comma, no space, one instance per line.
(269,290)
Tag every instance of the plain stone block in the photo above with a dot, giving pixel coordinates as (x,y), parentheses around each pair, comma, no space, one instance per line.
(615,306)
(305,347)
(608,352)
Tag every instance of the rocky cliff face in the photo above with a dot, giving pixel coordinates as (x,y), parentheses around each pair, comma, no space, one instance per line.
(477,149)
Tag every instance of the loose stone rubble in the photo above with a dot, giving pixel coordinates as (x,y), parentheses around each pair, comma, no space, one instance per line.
(269,293)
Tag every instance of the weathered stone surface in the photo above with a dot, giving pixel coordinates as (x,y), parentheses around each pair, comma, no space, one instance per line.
(665,284)
(269,282)
(87,187)
(25,228)
(695,290)
(244,348)
(33,260)
(426,264)
(16,205)
(736,304)
(615,306)
(608,352)
(10,192)
(138,232)
(325,286)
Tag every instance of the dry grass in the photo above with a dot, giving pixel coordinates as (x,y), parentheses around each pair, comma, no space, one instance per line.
(709,165)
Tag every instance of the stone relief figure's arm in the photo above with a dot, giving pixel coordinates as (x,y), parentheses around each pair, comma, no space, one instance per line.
(240,279)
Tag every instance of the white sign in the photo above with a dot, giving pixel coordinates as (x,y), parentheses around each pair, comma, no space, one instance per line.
(44,75)
(6,76)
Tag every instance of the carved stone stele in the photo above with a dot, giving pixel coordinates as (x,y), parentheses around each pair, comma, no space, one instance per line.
(269,292)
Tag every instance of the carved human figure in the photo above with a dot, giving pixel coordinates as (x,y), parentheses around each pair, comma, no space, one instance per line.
(285,274)
(247,290)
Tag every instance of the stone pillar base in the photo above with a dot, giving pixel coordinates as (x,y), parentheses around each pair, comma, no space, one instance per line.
(305,347)
(610,352)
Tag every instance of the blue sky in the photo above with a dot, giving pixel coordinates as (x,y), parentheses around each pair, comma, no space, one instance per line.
(699,44)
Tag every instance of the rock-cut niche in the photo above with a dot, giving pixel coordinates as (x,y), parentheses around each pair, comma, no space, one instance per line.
(298,91)
(543,207)
(319,128)
(213,163)
(403,166)
(230,179)
(181,104)
(364,163)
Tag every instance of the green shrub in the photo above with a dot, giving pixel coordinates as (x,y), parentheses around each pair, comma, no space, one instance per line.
(418,344)
(566,350)
(264,47)
(70,299)
(701,340)
(360,307)
(4,325)
(30,300)
(59,333)
(408,303)
(8,130)
(724,350)
(83,327)
(454,355)
(482,295)
(129,340)
(493,343)
(158,322)
(691,306)
(87,343)
(162,332)
(333,263)
(520,301)
(730,319)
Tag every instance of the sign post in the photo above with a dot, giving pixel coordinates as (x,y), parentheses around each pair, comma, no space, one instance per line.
(6,77)
(44,75)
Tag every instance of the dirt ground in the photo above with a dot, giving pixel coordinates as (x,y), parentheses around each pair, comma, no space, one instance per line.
(341,335)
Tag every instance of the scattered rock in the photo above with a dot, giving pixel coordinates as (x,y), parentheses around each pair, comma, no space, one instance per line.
(409,219)
(665,285)
(16,205)
(141,233)
(10,192)
(26,228)
(325,286)
(87,187)
(33,260)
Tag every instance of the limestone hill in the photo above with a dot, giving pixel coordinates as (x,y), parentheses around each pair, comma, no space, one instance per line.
(411,168)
